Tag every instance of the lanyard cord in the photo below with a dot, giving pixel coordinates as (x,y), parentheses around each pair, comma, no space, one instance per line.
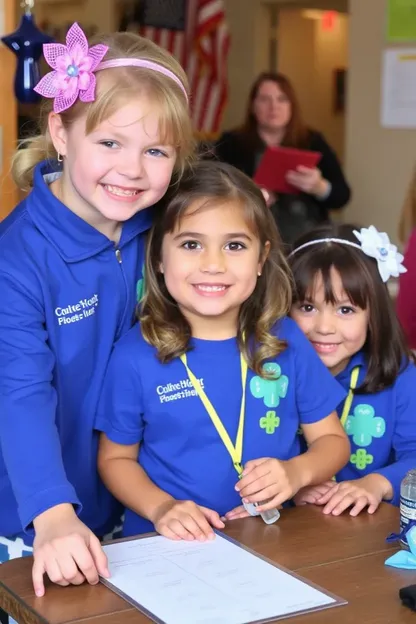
(235,450)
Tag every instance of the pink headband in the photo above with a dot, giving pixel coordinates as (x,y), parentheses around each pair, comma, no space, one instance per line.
(74,66)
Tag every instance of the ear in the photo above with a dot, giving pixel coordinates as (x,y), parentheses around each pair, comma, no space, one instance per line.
(59,134)
(161,267)
(266,195)
(263,257)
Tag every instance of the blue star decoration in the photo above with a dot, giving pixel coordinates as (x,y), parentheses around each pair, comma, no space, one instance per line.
(27,44)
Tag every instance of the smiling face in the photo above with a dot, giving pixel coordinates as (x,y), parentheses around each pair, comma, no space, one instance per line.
(210,263)
(118,169)
(337,330)
(271,107)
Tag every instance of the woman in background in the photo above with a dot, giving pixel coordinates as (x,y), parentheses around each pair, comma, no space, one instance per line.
(274,119)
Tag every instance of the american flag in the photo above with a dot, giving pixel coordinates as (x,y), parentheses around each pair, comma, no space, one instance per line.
(200,43)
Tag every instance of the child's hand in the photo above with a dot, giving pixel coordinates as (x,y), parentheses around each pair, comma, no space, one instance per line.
(237,513)
(368,492)
(313,493)
(66,550)
(186,520)
(270,480)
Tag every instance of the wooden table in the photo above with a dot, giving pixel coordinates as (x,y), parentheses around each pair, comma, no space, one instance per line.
(343,555)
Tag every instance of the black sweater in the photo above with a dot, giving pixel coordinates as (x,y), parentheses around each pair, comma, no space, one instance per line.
(233,149)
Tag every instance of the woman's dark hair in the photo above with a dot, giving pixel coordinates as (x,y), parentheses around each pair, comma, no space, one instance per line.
(163,325)
(297,134)
(386,349)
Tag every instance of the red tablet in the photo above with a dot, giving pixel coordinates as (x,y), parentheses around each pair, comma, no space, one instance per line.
(277,161)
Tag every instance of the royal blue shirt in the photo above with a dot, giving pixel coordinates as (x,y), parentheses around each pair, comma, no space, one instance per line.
(65,298)
(381,427)
(155,405)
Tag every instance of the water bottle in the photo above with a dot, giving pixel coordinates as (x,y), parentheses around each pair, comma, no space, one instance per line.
(407,503)
(269,517)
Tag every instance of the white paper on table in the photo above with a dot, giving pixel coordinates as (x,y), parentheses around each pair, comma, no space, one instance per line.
(214,582)
(398,89)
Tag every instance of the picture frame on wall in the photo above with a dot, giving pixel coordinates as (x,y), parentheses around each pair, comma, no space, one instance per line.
(340,90)
(169,14)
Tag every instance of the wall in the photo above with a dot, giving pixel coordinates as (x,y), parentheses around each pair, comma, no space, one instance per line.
(247,21)
(379,161)
(100,13)
(331,53)
(8,192)
(296,59)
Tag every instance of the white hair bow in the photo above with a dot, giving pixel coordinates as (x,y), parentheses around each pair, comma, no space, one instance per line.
(377,245)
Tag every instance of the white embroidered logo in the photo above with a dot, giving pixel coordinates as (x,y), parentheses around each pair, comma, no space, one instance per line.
(77,311)
(180,390)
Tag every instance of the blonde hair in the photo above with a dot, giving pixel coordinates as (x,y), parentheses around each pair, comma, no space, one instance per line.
(115,87)
(162,323)
(408,215)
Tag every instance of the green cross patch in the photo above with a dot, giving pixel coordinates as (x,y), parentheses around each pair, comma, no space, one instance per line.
(361,459)
(270,422)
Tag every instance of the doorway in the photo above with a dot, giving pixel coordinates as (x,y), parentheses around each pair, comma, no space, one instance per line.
(309,43)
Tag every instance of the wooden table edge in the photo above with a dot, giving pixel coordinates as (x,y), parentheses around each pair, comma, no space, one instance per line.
(17,607)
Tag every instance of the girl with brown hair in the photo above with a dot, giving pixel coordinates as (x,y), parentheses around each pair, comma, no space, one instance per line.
(342,304)
(203,400)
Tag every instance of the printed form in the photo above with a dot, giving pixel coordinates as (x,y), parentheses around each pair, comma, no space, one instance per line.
(207,583)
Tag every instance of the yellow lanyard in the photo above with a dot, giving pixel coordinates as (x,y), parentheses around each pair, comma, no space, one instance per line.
(348,400)
(235,450)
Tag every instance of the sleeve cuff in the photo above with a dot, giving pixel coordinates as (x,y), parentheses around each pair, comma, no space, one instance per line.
(327,193)
(120,437)
(391,474)
(325,409)
(45,500)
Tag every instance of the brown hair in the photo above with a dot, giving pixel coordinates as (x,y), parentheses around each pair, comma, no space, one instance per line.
(297,134)
(385,348)
(408,214)
(115,87)
(162,323)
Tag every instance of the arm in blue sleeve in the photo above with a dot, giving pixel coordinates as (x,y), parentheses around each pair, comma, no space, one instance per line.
(120,410)
(29,438)
(404,435)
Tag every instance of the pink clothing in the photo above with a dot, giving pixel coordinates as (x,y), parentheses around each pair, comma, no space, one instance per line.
(406,299)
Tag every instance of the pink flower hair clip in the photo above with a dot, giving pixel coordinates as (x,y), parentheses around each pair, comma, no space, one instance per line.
(73,70)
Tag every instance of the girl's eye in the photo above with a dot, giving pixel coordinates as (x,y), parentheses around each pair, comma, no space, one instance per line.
(235,246)
(307,307)
(109,144)
(345,310)
(191,245)
(157,152)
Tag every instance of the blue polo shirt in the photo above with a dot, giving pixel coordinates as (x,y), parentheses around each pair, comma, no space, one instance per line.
(381,427)
(154,404)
